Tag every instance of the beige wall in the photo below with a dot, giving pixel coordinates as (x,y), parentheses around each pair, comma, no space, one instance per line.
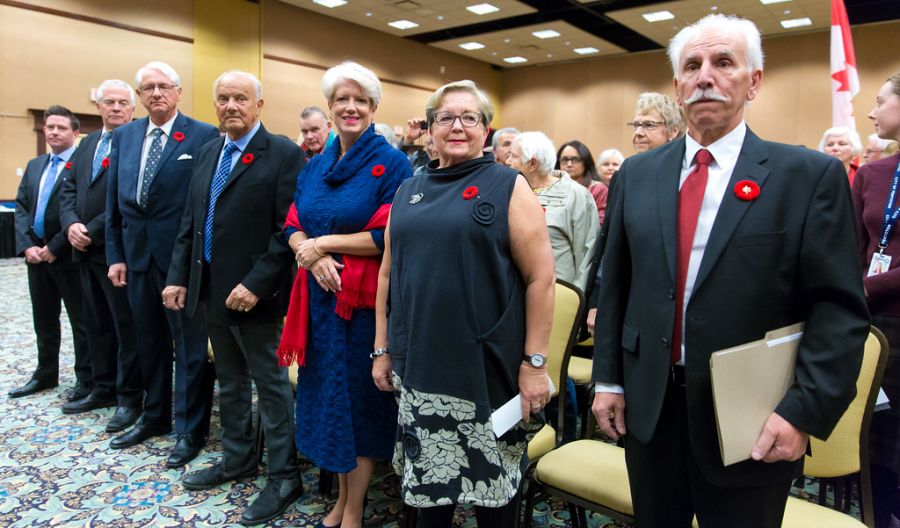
(595,99)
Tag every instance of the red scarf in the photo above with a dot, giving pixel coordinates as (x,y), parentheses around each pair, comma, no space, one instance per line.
(359,285)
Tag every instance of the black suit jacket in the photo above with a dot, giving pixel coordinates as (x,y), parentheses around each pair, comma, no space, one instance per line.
(84,201)
(248,246)
(26,203)
(787,256)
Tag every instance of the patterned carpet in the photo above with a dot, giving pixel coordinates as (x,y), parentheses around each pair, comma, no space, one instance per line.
(57,470)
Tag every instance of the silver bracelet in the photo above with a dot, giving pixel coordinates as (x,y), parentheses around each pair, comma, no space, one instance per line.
(379,352)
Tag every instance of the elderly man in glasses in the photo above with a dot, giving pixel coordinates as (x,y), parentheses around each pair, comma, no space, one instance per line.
(656,122)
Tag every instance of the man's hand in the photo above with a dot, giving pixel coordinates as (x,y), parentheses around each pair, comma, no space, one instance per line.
(173,297)
(591,317)
(413,130)
(33,255)
(78,236)
(46,255)
(241,299)
(609,410)
(780,440)
(534,388)
(117,273)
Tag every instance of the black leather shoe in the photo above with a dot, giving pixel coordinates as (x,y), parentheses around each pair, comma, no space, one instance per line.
(272,501)
(78,392)
(187,447)
(138,434)
(89,403)
(32,387)
(122,419)
(215,476)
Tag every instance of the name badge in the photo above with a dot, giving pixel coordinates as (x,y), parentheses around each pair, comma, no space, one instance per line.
(880,263)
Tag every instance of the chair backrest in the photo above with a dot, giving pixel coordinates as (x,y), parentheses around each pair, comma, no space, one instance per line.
(568,308)
(847,447)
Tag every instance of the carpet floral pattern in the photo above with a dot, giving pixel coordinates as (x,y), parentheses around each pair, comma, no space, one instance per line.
(58,470)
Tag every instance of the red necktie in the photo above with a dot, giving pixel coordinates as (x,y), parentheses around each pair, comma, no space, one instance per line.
(690,198)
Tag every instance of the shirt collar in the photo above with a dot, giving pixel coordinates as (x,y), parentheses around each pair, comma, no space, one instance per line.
(728,147)
(66,154)
(166,127)
(241,142)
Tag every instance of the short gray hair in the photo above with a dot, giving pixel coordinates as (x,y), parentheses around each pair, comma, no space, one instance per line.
(730,24)
(238,73)
(850,134)
(384,130)
(536,145)
(310,110)
(162,68)
(881,143)
(115,83)
(351,71)
(609,153)
(666,108)
(484,102)
(497,133)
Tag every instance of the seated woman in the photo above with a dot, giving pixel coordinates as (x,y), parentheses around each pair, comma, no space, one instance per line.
(843,144)
(469,268)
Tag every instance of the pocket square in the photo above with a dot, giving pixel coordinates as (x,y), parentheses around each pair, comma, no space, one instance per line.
(185,156)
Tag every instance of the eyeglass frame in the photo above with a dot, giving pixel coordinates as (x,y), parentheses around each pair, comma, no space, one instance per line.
(643,124)
(434,119)
(570,159)
(163,88)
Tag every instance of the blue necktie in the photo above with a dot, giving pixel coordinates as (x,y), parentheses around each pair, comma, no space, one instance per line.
(215,189)
(150,166)
(44,195)
(102,152)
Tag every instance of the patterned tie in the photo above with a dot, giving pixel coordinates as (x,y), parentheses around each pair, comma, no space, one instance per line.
(690,198)
(215,189)
(102,152)
(44,195)
(151,166)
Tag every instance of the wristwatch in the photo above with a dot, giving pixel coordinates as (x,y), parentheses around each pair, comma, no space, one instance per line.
(536,360)
(379,352)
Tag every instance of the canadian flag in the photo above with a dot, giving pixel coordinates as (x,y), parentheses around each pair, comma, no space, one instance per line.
(844,80)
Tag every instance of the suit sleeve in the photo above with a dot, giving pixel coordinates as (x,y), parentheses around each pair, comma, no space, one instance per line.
(115,252)
(613,287)
(59,244)
(23,214)
(68,192)
(585,225)
(837,319)
(268,272)
(180,265)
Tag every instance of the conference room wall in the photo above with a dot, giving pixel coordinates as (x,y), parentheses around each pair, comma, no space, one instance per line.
(593,100)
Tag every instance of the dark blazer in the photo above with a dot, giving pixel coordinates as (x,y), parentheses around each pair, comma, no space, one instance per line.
(26,203)
(248,246)
(787,256)
(134,234)
(83,200)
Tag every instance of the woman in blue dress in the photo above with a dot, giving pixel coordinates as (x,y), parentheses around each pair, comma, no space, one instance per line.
(336,229)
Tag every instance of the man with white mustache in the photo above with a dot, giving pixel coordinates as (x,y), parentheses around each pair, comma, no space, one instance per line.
(715,239)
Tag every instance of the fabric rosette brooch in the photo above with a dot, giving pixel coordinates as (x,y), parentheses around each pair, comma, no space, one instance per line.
(68,165)
(178,136)
(104,163)
(247,159)
(483,211)
(378,171)
(746,190)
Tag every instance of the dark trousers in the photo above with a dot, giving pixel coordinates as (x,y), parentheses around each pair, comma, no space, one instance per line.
(51,285)
(111,340)
(243,353)
(157,330)
(668,489)
(442,516)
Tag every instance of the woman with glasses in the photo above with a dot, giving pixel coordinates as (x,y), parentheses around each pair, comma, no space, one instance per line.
(465,305)
(336,229)
(576,160)
(656,122)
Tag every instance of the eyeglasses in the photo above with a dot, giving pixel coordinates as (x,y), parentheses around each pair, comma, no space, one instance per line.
(468,119)
(569,159)
(163,88)
(649,126)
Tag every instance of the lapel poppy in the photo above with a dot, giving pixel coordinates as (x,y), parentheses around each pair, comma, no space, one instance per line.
(68,165)
(105,163)
(378,170)
(178,136)
(746,190)
(470,192)
(247,159)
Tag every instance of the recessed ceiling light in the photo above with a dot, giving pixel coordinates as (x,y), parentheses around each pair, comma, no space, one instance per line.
(403,24)
(545,34)
(506,40)
(515,60)
(713,8)
(469,46)
(330,3)
(585,51)
(549,55)
(494,53)
(767,2)
(796,22)
(787,11)
(658,16)
(568,43)
(440,17)
(483,9)
(369,14)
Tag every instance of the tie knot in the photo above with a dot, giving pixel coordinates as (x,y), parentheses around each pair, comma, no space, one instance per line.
(55,159)
(703,157)
(105,135)
(230,148)
(157,132)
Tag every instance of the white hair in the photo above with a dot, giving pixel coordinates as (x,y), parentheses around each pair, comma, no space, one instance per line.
(610,153)
(384,130)
(238,73)
(495,142)
(351,71)
(536,145)
(721,24)
(880,143)
(115,83)
(162,68)
(851,135)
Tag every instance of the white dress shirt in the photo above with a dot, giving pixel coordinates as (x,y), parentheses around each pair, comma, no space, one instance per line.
(145,150)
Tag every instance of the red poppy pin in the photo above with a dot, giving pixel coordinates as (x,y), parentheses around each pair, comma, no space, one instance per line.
(68,165)
(105,163)
(178,136)
(378,170)
(247,159)
(470,192)
(746,190)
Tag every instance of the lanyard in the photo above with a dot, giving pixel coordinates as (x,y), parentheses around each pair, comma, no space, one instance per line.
(891,213)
